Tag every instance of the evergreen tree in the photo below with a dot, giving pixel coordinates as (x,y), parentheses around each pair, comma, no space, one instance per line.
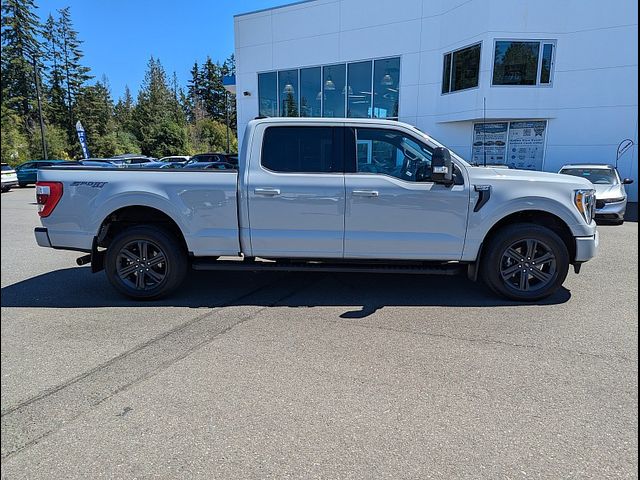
(20,47)
(75,74)
(194,103)
(154,123)
(54,74)
(123,110)
(212,90)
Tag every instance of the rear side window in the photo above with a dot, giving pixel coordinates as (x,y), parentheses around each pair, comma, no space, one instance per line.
(302,150)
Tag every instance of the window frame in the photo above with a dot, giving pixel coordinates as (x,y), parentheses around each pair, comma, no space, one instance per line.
(541,44)
(338,150)
(452,53)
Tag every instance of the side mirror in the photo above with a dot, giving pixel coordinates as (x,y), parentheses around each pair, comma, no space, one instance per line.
(442,167)
(627,181)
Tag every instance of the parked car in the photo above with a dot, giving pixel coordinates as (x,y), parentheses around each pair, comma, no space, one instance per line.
(96,163)
(131,159)
(211,165)
(28,172)
(208,157)
(302,201)
(160,164)
(176,159)
(9,177)
(611,197)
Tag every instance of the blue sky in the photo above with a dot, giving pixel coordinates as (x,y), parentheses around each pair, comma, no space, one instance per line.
(120,35)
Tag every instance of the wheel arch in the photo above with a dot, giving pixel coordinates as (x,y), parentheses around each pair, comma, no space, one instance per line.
(131,215)
(537,217)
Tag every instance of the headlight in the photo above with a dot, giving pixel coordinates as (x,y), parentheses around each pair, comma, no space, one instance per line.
(585,202)
(613,200)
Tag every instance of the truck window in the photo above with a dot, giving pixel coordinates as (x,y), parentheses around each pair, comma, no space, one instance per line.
(390,152)
(301,150)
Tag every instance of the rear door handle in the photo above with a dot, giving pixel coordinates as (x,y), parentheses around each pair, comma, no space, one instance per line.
(267,192)
(365,193)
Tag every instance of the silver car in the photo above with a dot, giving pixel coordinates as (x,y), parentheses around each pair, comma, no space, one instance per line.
(611,197)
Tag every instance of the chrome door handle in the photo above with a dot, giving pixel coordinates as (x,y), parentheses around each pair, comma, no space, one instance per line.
(268,192)
(365,193)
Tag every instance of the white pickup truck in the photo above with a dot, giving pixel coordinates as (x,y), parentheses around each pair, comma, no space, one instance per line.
(324,195)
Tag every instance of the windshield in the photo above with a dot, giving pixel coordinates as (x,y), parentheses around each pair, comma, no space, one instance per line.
(6,168)
(597,176)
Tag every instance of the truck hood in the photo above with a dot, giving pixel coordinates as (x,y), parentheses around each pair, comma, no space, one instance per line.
(490,175)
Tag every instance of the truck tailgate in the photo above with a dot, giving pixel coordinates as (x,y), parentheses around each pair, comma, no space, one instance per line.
(202,203)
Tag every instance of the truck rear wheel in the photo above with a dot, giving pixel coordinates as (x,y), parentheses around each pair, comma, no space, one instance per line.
(145,262)
(525,262)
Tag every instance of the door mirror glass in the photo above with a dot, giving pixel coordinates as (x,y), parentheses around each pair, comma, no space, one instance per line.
(442,166)
(627,181)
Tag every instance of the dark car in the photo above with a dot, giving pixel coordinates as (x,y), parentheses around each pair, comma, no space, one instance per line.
(209,157)
(211,166)
(28,171)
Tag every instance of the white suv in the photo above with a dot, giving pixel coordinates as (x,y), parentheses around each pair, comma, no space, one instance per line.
(9,177)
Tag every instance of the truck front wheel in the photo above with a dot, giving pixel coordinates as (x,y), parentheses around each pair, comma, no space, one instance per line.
(525,262)
(145,262)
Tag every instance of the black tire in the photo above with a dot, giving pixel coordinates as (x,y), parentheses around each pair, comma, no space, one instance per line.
(22,185)
(145,262)
(525,262)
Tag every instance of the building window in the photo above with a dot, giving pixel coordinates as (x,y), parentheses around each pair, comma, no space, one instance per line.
(386,79)
(288,91)
(359,90)
(268,94)
(523,62)
(362,89)
(461,69)
(301,150)
(333,87)
(311,92)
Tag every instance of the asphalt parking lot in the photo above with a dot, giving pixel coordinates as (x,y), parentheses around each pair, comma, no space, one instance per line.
(314,375)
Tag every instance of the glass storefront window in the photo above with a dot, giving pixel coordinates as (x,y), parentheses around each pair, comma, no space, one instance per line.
(288,90)
(310,92)
(386,78)
(333,88)
(372,90)
(268,94)
(359,90)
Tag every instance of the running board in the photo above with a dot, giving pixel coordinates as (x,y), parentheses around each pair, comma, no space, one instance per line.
(260,266)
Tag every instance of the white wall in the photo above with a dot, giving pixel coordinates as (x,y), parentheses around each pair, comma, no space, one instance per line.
(591,107)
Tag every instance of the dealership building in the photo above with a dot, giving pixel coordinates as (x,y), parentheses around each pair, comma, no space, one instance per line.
(533,85)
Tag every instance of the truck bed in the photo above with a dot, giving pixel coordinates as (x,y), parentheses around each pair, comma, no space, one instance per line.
(202,203)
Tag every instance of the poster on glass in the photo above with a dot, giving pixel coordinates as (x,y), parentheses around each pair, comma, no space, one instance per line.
(489,143)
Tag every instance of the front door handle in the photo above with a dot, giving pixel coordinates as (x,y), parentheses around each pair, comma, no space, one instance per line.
(365,193)
(267,192)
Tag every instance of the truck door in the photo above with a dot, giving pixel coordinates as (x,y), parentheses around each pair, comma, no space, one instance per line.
(296,193)
(394,210)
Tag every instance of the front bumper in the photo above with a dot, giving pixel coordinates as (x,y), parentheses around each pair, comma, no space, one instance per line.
(42,237)
(612,211)
(586,247)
